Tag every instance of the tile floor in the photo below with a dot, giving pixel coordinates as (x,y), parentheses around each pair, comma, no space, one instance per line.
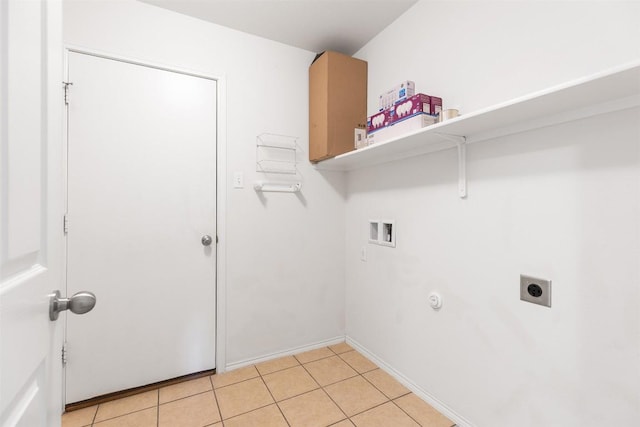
(331,386)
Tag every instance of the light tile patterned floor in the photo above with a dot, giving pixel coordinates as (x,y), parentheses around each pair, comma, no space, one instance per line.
(331,386)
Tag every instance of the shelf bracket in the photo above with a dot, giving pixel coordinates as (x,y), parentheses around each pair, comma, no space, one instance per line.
(462,168)
(461,144)
(454,138)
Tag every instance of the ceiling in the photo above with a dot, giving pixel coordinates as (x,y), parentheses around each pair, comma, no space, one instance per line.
(316,25)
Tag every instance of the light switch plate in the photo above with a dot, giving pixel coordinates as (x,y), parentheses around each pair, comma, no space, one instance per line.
(238,180)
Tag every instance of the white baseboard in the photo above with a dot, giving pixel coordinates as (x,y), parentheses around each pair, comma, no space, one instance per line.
(441,407)
(289,352)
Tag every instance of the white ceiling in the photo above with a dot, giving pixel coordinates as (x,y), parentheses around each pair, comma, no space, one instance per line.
(316,25)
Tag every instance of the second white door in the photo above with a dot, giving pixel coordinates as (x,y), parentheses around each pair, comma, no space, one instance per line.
(141,197)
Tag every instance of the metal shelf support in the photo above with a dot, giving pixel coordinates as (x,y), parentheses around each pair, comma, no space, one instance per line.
(461,145)
(462,169)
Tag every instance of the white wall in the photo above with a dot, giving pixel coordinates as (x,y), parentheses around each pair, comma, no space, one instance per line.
(285,259)
(561,203)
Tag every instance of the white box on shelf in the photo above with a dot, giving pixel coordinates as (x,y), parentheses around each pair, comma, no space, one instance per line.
(402,91)
(360,138)
(410,124)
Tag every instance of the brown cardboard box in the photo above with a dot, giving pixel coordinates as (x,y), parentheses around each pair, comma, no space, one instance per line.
(337,104)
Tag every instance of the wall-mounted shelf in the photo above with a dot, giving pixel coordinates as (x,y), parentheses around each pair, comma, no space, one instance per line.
(276,154)
(605,92)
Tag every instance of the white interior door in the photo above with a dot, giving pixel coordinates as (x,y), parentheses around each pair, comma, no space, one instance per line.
(31,208)
(141,195)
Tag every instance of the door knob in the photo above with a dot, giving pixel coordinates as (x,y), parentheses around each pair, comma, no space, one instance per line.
(80,303)
(206,240)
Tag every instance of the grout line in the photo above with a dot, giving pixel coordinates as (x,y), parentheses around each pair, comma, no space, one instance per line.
(388,399)
(248,412)
(408,415)
(325,392)
(368,409)
(239,382)
(255,409)
(123,415)
(336,403)
(339,381)
(341,421)
(95,414)
(271,394)
(215,397)
(126,413)
(353,367)
(182,398)
(319,358)
(377,388)
(279,370)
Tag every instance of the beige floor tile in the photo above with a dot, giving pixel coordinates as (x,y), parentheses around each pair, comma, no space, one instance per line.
(145,418)
(345,423)
(79,418)
(310,356)
(194,411)
(277,365)
(243,397)
(422,412)
(289,382)
(235,376)
(330,370)
(358,362)
(127,405)
(341,348)
(384,416)
(313,409)
(386,383)
(355,395)
(184,389)
(265,417)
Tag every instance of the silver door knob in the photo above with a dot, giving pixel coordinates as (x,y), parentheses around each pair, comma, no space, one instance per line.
(206,240)
(80,303)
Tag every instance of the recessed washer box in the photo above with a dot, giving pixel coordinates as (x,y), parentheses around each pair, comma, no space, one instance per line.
(374,231)
(388,233)
(382,232)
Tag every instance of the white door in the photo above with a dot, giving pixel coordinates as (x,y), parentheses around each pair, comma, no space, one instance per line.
(141,196)
(31,208)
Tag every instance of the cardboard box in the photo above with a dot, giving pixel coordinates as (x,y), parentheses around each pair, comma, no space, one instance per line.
(409,124)
(337,104)
(419,103)
(378,121)
(398,93)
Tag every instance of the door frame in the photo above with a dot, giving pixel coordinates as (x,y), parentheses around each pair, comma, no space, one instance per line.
(221,184)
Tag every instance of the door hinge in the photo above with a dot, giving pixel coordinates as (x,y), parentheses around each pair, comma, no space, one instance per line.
(66,92)
(65,224)
(216,239)
(64,353)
